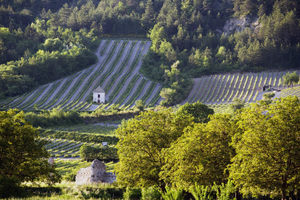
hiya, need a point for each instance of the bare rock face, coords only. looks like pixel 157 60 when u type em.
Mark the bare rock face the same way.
pixel 96 173
pixel 239 24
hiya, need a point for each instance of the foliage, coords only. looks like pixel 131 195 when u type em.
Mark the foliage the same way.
pixel 68 169
pixel 140 105
pixel 53 117
pixel 172 194
pixel 151 193
pixel 81 137
pixel 199 111
pixel 105 153
pixel 237 104
pixel 203 151
pixel 141 144
pixel 132 193
pixel 224 191
pixel 22 157
pixel 290 78
pixel 177 86
pixel 60 34
pixel 267 159
pixel 44 53
pixel 100 192
pixel 201 192
pixel 267 97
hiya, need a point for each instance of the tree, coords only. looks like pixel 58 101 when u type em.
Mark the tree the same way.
pixel 237 104
pixel 140 104
pixel 200 155
pixel 290 78
pixel 141 141
pixel 267 97
pixel 148 17
pixel 199 111
pixel 268 151
pixel 23 157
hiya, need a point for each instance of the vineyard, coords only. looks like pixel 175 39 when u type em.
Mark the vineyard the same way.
pixel 223 88
pixel 294 91
pixel 117 72
pixel 66 141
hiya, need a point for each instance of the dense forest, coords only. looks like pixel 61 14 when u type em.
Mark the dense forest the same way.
pixel 43 40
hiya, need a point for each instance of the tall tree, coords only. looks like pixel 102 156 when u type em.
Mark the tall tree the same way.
pixel 267 157
pixel 23 157
pixel 142 140
pixel 199 111
pixel 201 155
pixel 290 78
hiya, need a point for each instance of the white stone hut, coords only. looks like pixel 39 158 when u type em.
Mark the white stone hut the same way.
pixel 96 173
pixel 99 95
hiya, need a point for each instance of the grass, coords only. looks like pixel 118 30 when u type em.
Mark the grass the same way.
pixel 87 128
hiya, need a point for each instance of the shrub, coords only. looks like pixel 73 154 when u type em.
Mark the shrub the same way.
pixel 132 194
pixel 104 192
pixel 102 153
pixel 150 193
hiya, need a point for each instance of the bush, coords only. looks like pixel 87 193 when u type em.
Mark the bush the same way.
pixel 102 153
pixel 132 194
pixel 108 192
pixel 82 137
pixel 150 193
pixel 8 187
pixel 53 117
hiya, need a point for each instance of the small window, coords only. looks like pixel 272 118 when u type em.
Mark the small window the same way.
pixel 98 95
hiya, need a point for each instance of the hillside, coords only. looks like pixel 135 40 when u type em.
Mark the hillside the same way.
pixel 293 91
pixel 117 72
pixel 223 88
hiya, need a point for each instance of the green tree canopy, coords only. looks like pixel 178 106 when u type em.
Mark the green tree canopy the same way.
pixel 142 140
pixel 201 155
pixel 267 157
pixel 290 78
pixel 22 156
pixel 199 111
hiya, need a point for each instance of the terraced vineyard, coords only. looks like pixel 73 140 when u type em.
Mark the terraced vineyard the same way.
pixel 295 91
pixel 66 141
pixel 222 89
pixel 63 147
pixel 117 72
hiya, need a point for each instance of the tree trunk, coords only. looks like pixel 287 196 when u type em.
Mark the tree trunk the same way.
pixel 238 195
pixel 283 190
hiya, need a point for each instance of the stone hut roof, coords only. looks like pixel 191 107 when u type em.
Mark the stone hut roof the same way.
pixel 98 90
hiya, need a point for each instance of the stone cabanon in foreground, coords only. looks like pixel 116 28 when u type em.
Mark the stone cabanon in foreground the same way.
pixel 96 173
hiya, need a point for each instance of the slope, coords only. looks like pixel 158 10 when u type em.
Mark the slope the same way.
pixel 116 71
